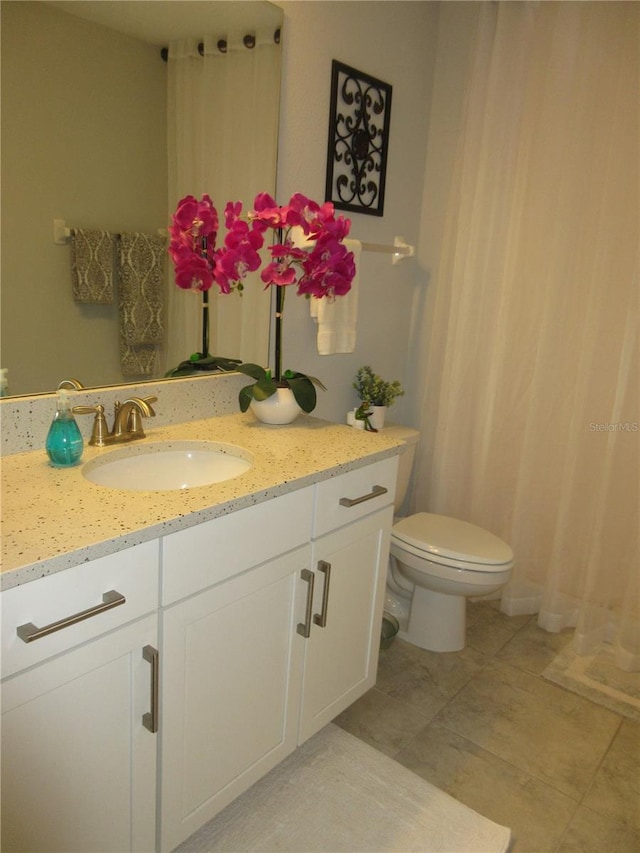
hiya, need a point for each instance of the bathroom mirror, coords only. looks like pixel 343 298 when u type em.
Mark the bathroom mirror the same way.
pixel 84 139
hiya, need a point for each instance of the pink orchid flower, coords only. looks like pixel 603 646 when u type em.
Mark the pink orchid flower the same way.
pixel 324 269
pixel 194 273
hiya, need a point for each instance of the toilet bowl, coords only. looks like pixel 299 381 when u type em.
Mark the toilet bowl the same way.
pixel 435 563
pixel 445 561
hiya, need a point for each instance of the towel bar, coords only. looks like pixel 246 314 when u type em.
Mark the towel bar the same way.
pixel 400 250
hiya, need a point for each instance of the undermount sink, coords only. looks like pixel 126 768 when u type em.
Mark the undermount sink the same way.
pixel 155 466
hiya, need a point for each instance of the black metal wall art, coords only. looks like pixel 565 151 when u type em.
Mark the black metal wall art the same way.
pixel 358 140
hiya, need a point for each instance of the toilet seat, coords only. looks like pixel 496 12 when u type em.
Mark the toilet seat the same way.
pixel 451 542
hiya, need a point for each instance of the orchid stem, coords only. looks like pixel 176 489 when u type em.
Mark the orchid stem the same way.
pixel 205 323
pixel 279 309
pixel 205 306
pixel 278 329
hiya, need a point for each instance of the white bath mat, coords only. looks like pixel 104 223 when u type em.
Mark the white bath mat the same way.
pixel 597 677
pixel 336 793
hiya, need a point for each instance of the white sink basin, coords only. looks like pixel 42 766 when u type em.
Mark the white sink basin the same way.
pixel 154 466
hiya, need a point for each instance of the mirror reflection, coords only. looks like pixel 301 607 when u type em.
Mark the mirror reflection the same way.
pixel 93 133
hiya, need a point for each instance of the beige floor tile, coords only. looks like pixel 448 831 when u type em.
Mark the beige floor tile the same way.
pixel 533 649
pixel 426 680
pixel 591 833
pixel 603 670
pixel 488 629
pixel 551 734
pixel 616 788
pixel 536 813
pixel 382 722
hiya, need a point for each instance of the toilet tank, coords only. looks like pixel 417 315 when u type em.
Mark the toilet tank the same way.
pixel 405 459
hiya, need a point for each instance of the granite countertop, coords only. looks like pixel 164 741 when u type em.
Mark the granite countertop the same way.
pixel 54 518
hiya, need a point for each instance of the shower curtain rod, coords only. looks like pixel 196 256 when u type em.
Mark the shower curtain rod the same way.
pixel 249 41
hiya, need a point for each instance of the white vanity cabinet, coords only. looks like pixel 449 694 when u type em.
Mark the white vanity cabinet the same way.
pixel 353 518
pixel 271 627
pixel 143 691
pixel 231 663
pixel 78 750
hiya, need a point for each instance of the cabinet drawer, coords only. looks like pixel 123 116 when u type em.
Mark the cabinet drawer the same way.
pixel 132 574
pixel 209 553
pixel 361 492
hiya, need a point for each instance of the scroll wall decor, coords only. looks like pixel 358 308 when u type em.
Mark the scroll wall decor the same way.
pixel 358 140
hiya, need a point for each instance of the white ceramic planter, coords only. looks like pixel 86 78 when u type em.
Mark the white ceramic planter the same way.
pixel 279 408
pixel 377 418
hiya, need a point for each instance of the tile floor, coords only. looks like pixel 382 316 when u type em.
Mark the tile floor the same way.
pixel 487 728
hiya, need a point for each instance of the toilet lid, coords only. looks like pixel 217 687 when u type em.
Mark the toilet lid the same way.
pixel 452 539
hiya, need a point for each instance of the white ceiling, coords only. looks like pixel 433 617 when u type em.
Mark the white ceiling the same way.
pixel 161 21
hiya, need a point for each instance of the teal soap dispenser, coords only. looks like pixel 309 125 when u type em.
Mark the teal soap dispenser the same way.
pixel 64 442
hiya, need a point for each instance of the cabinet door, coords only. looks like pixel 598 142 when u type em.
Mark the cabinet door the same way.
pixel 231 687
pixel 78 765
pixel 341 657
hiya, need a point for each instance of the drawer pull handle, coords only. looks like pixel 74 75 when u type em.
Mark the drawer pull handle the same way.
pixel 304 628
pixel 374 493
pixel 29 632
pixel 320 619
pixel 150 719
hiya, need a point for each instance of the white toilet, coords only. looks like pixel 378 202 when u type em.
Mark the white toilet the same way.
pixel 435 563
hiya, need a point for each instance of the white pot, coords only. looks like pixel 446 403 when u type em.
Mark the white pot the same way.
pixel 279 408
pixel 377 418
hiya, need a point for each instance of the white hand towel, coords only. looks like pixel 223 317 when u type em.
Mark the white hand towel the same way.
pixel 337 320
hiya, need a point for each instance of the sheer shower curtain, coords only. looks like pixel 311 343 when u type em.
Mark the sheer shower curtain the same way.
pixel 222 111
pixel 530 413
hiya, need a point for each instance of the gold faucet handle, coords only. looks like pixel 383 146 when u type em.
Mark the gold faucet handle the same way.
pixel 136 413
pixel 100 429
pixel 134 427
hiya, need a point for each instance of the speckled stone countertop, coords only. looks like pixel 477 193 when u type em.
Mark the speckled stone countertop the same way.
pixel 55 518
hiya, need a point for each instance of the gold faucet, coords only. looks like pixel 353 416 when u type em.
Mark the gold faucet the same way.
pixel 73 384
pixel 127 421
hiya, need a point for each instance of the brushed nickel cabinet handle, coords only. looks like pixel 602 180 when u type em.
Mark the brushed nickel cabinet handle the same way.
pixel 374 493
pixel 304 628
pixel 150 719
pixel 29 632
pixel 320 619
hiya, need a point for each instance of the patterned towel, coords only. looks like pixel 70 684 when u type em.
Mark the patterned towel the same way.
pixel 92 266
pixel 141 260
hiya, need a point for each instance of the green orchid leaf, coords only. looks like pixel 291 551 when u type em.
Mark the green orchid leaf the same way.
pixel 264 388
pixel 180 371
pixel 291 374
pixel 303 391
pixel 252 370
pixel 224 363
pixel 245 397
pixel 197 362
pixel 318 383
pixel 302 387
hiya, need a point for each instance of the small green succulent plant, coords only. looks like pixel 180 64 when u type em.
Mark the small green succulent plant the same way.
pixel 374 390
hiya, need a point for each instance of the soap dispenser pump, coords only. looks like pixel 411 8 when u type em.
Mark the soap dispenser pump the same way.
pixel 64 443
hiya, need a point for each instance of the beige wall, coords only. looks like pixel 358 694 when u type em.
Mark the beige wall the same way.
pixel 394 41
pixel 456 32
pixel 84 141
